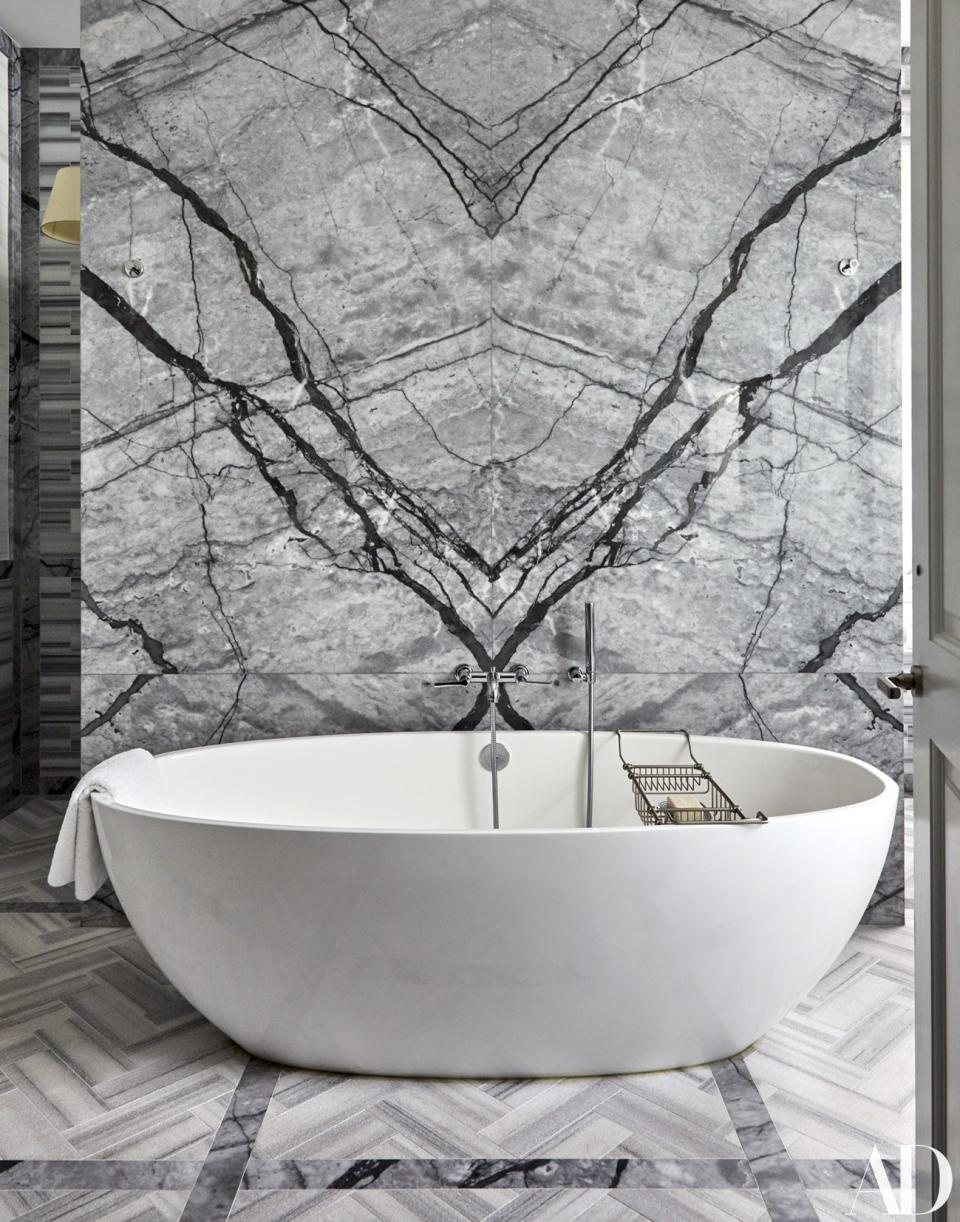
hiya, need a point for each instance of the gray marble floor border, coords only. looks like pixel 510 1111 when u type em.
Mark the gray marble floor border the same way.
pixel 817 1173
pixel 148 1175
pixel 394 1173
pixel 264 1174
pixel 212 1195
pixel 775 1172
pixel 231 1164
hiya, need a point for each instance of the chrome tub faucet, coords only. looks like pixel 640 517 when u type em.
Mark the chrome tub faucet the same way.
pixel 464 676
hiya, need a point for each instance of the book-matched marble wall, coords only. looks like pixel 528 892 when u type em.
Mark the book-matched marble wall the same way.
pixel 453 316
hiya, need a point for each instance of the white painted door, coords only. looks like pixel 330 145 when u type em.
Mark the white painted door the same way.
pixel 935 195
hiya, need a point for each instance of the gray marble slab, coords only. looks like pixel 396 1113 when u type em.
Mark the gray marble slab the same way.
pixel 454 316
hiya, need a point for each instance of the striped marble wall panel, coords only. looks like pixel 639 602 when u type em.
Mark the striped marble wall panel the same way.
pixel 11 455
pixel 26 516
pixel 59 272
pixel 8 707
pixel 5 206
pixel 41 702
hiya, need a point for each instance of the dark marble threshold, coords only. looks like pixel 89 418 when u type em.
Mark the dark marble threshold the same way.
pixel 441 1174
pixel 446 1173
pixel 86 1173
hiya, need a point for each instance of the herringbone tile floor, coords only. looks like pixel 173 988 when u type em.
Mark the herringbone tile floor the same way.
pixel 99 1056
pixel 102 1062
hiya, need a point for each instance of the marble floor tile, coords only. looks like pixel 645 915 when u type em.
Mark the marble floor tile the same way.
pixel 644 1116
pixel 55 1090
pixel 186 1094
pixel 14 1205
pixel 27 1133
pixel 835 1205
pixel 25 839
pixel 82 1049
pixel 544 1205
pixel 288 1205
pixel 837 1074
pixel 690 1205
pixel 297 1126
pixel 44 939
pixel 102 1206
pixel 537 1124
pixel 679 1114
pixel 564 1205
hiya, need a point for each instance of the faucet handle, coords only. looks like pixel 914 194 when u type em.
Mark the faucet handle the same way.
pixel 463 675
pixel 521 674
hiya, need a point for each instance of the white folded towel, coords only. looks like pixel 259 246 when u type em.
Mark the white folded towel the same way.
pixel 131 778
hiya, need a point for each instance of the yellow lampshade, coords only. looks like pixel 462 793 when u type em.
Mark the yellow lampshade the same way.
pixel 62 217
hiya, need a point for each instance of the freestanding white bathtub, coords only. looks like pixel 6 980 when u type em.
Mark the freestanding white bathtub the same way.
pixel 342 903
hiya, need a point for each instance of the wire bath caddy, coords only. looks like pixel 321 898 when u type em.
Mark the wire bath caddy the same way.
pixel 656 788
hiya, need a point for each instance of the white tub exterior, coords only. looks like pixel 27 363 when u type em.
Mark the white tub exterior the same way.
pixel 341 903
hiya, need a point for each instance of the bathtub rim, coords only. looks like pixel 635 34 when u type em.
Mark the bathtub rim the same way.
pixel 888 787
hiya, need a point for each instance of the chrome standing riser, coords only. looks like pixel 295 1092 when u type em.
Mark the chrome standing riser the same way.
pixel 588 674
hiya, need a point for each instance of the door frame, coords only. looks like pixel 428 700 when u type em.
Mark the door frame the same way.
pixel 935 168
